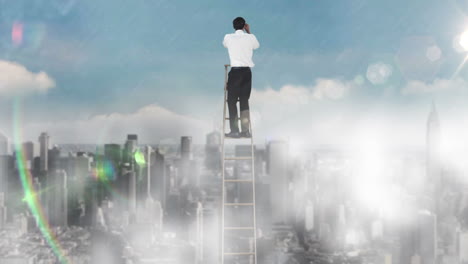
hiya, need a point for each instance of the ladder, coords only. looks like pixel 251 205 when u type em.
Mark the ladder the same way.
pixel 245 235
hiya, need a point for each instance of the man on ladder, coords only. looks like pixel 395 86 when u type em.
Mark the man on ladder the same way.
pixel 240 46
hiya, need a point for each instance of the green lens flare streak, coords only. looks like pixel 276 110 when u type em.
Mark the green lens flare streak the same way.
pixel 30 195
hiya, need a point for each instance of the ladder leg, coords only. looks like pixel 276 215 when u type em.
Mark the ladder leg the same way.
pixel 253 191
pixel 223 162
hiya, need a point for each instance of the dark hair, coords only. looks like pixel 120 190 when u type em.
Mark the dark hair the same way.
pixel 238 23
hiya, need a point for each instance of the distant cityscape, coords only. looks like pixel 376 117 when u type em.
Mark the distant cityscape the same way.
pixel 132 203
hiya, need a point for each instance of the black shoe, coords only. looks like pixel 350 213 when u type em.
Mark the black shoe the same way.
pixel 245 134
pixel 232 135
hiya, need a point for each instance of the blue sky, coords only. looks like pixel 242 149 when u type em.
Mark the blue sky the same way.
pixel 120 56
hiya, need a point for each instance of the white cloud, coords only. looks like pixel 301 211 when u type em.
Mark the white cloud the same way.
pixel 438 85
pixel 298 95
pixel 331 89
pixel 15 79
pixel 151 123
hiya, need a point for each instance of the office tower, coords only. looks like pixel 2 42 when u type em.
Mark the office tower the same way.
pixel 112 160
pixel 44 152
pixel 58 198
pixel 4 162
pixel 130 147
pixel 78 171
pixel 186 148
pixel 145 186
pixel 159 181
pixel 3 144
pixel 277 169
pixel 427 223
pixel 409 237
pixel 463 247
pixel 433 165
pixel 131 175
pixel 3 211
pixel 213 151
pixel 28 152
pixel 55 161
pixel 113 152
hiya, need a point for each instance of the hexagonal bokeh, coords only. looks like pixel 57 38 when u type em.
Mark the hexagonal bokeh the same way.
pixel 419 58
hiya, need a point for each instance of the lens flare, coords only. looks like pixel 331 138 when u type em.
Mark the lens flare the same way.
pixel 30 194
pixel 464 40
pixel 140 158
pixel 17 33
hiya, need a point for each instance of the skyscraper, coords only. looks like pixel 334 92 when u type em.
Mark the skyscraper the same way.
pixel 433 149
pixel 58 198
pixel 132 192
pixel 28 151
pixel 277 170
pixel 130 147
pixel 112 160
pixel 44 151
pixel 186 148
pixel 427 223
pixel 4 161
pixel 159 178
pixel 3 144
pixel 3 211
pixel 213 151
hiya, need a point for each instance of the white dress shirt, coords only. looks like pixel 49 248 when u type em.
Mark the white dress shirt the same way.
pixel 240 46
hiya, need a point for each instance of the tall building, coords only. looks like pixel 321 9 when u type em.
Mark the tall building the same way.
pixel 159 178
pixel 112 160
pixel 78 171
pixel 58 198
pixel 3 144
pixel 55 161
pixel 130 147
pixel 4 162
pixel 147 171
pixel 132 201
pixel 3 211
pixel 427 223
pixel 433 138
pixel 44 151
pixel 278 169
pixel 28 152
pixel 186 148
pixel 213 151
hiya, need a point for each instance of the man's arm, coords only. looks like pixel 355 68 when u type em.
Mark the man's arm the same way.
pixel 247 28
pixel 255 44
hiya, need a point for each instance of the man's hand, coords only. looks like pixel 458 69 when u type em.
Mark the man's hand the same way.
pixel 247 28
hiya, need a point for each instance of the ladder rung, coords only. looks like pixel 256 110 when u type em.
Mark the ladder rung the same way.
pixel 239 204
pixel 237 180
pixel 238 253
pixel 239 228
pixel 238 158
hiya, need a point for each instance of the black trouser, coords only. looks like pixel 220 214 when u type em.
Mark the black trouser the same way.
pixel 239 87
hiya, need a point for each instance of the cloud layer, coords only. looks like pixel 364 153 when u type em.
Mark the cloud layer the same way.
pixel 15 79
pixel 152 123
pixel 438 85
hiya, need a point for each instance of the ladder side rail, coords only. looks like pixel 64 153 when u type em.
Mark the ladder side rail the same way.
pixel 253 191
pixel 223 161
